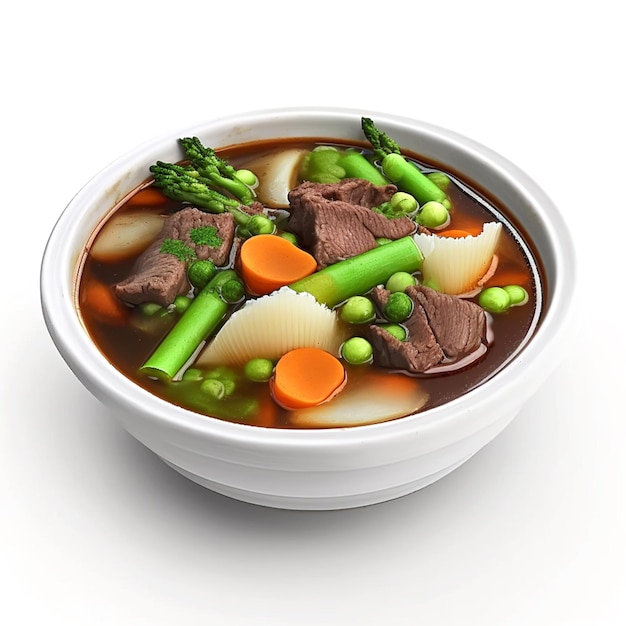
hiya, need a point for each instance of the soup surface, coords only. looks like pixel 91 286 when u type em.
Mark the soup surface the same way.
pixel 245 387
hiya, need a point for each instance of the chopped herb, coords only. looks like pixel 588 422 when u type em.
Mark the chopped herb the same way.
pixel 179 249
pixel 205 236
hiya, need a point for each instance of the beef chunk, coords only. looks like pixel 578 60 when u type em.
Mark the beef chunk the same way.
pixel 160 277
pixel 351 190
pixel 459 325
pixel 335 221
pixel 441 327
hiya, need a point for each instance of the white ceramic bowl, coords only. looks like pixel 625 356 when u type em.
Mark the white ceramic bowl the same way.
pixel 315 469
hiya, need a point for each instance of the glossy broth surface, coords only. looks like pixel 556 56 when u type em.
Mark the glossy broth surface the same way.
pixel 127 346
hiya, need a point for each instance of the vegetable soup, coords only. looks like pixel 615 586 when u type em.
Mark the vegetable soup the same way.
pixel 308 283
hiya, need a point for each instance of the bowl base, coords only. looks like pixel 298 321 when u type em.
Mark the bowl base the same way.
pixel 317 503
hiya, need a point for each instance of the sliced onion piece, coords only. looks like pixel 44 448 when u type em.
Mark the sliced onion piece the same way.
pixel 374 398
pixel 457 266
pixel 277 174
pixel 271 326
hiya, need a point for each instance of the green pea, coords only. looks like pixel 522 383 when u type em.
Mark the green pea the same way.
pixel 233 291
pixel 213 387
pixel 193 373
pixel 403 203
pixel 181 303
pixel 440 179
pixel 229 386
pixel 399 281
pixel 494 300
pixel 357 310
pixel 150 308
pixel 221 372
pixel 518 295
pixel 243 232
pixel 247 177
pixel 357 351
pixel 201 272
pixel 399 307
pixel 258 370
pixel 433 214
pixel 395 330
pixel 290 237
pixel 260 225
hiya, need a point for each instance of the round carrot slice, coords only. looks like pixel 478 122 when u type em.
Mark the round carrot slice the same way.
pixel 455 233
pixel 307 377
pixel 269 262
pixel 104 304
pixel 149 196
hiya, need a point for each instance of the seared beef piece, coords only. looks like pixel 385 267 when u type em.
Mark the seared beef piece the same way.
pixel 351 190
pixel 440 327
pixel 255 208
pixel 335 221
pixel 459 325
pixel 160 277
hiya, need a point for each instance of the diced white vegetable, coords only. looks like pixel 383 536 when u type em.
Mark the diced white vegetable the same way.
pixel 126 235
pixel 271 326
pixel 277 174
pixel 456 265
pixel 375 398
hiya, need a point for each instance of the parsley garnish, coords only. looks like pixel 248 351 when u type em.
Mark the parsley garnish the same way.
pixel 179 249
pixel 201 236
pixel 205 236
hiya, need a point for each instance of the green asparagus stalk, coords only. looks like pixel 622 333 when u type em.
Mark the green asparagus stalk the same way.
pixel 399 170
pixel 357 275
pixel 357 166
pixel 196 324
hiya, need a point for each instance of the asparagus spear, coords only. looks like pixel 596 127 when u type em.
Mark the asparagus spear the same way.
pixel 197 323
pixel 400 171
pixel 357 275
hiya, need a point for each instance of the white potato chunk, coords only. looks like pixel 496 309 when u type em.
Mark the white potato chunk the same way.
pixel 277 174
pixel 374 398
pixel 126 235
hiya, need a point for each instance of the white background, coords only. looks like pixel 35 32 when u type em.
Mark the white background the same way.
pixel 95 530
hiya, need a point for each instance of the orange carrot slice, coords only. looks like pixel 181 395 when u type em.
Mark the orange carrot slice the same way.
pixel 149 196
pixel 503 277
pixel 269 262
pixel 455 233
pixel 307 377
pixel 267 412
pixel 105 305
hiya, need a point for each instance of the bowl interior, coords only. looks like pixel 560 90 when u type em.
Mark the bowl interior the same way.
pixel 533 211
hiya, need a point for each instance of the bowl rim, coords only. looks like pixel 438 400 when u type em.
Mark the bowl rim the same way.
pixel 112 387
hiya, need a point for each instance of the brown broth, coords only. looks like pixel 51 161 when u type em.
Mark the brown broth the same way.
pixel 127 347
